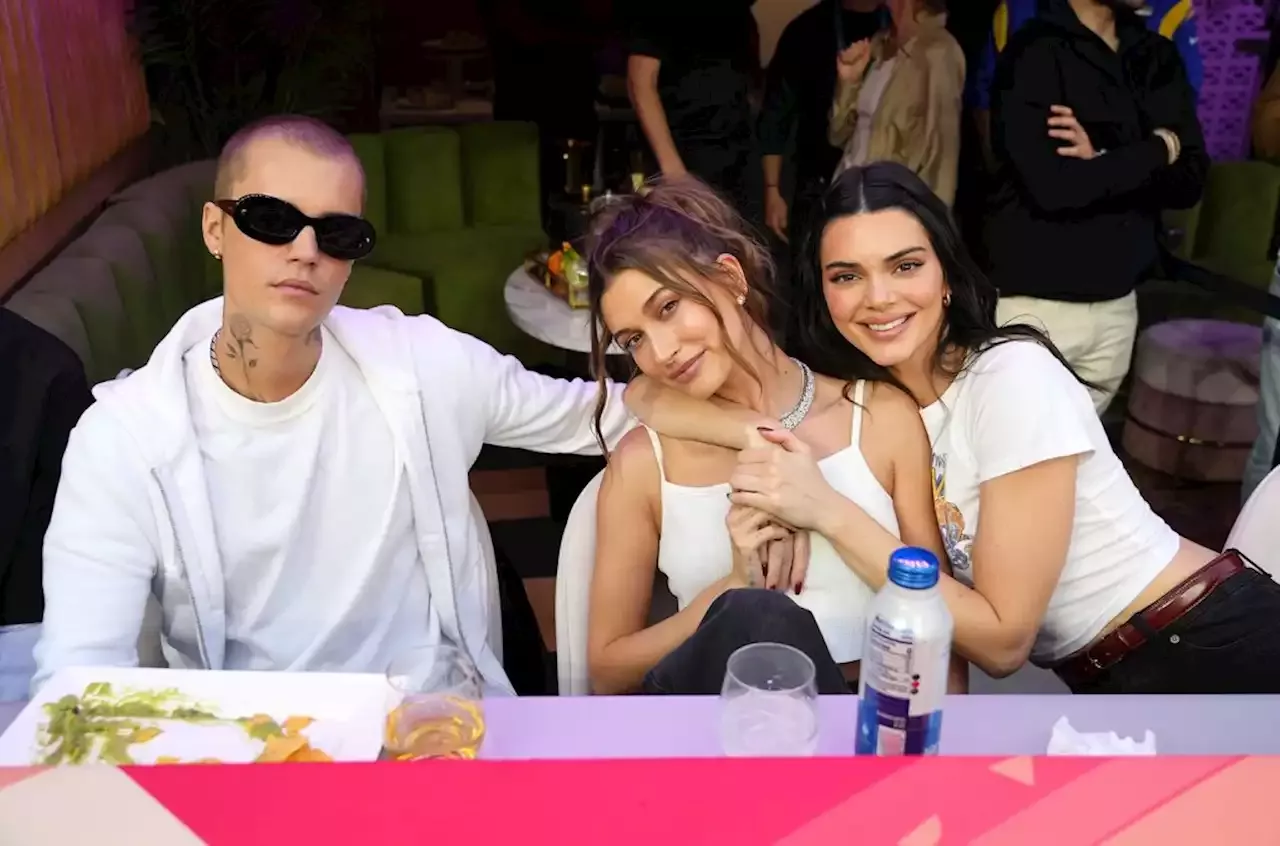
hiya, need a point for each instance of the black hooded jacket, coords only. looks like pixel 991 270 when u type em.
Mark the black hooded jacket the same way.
pixel 1086 231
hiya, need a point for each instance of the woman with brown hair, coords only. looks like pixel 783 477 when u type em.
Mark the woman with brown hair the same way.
pixel 677 283
pixel 898 96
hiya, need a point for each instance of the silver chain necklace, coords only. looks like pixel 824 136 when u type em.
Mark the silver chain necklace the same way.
pixel 800 411
pixel 213 354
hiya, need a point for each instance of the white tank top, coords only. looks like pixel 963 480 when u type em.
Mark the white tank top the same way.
pixel 695 551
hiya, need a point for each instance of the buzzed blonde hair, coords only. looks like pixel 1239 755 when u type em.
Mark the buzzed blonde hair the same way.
pixel 309 133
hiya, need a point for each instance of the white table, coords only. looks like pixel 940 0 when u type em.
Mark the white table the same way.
pixel 686 726
pixel 541 314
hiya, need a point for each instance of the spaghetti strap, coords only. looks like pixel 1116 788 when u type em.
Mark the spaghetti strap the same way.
pixel 657 451
pixel 859 392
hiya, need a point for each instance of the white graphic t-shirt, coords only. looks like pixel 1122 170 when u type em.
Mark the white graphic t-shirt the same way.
pixel 1017 406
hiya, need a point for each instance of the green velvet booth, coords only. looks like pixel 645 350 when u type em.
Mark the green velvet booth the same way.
pixel 1233 231
pixel 459 207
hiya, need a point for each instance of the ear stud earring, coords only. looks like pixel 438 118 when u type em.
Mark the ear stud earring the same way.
pixel 217 255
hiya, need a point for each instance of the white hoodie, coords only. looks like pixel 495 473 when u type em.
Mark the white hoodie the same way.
pixel 132 514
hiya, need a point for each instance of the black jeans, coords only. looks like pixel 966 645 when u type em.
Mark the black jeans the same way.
pixel 1228 643
pixel 725 166
pixel 738 618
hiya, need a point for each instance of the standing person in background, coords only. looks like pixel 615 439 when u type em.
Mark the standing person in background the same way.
pixel 43 392
pixel 800 86
pixel 898 96
pixel 1094 126
pixel 689 76
pixel 1263 456
pixel 1174 19
pixel 970 23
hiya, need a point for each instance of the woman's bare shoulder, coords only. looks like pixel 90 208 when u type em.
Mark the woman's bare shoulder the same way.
pixel 891 399
pixel 892 415
pixel 633 464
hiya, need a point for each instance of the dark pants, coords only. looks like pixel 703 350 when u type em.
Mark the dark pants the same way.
pixel 524 656
pixel 1228 643
pixel 738 618
pixel 725 166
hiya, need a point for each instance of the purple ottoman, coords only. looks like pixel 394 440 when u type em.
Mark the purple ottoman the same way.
pixel 1192 405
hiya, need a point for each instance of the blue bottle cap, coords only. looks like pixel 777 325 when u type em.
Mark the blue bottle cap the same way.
pixel 913 568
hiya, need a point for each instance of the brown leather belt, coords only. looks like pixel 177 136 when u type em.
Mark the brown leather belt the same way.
pixel 1110 650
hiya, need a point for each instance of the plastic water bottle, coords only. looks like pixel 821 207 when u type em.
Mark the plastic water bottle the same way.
pixel 903 677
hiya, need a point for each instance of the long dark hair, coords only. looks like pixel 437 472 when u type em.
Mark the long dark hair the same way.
pixel 969 324
pixel 673 231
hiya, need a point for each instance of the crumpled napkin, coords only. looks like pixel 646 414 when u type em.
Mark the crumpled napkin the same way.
pixel 1065 740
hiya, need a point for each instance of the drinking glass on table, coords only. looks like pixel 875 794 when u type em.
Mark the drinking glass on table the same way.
pixel 769 703
pixel 439 712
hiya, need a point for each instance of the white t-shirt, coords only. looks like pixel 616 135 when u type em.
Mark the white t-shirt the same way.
pixel 869 96
pixel 1017 406
pixel 313 520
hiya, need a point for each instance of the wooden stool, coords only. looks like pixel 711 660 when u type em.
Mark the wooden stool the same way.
pixel 1192 405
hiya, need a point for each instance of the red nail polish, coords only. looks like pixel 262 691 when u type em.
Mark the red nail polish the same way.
pixel 799 587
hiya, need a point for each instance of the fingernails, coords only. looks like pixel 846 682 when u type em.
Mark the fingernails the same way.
pixel 799 587
pixel 764 429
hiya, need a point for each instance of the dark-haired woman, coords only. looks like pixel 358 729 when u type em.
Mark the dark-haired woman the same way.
pixel 1056 556
pixel 678 284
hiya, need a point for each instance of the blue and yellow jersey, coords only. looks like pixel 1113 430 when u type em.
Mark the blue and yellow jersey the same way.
pixel 1174 19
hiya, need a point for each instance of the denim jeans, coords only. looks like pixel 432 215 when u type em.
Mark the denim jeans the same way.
pixel 1264 448
pixel 1228 643
pixel 738 618
pixel 17 661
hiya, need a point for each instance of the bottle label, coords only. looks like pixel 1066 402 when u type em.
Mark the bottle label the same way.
pixel 904 681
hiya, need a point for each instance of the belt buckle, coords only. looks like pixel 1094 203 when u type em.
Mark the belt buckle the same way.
pixel 1094 663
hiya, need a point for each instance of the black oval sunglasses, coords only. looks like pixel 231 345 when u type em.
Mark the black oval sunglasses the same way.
pixel 271 220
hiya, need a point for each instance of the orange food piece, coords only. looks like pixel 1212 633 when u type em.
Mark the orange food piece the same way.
pixel 293 725
pixel 280 747
pixel 310 755
pixel 555 263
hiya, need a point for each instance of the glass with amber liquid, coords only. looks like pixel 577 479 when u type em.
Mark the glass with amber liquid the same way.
pixel 438 708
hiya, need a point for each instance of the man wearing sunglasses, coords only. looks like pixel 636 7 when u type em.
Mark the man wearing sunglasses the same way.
pixel 289 478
